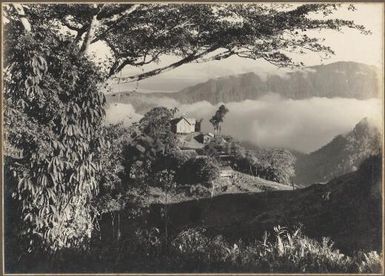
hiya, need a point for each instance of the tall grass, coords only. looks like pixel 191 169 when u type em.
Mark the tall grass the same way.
pixel 194 250
pixel 282 251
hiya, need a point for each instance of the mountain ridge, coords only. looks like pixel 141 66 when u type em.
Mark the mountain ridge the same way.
pixel 339 79
pixel 343 154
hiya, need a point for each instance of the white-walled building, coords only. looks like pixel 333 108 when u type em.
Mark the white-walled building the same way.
pixel 183 125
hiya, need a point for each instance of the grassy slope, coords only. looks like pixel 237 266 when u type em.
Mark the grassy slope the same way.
pixel 240 183
pixel 244 183
pixel 347 209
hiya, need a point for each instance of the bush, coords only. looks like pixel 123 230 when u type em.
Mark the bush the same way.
pixel 194 250
pixel 198 170
pixel 295 253
pixel 190 243
pixel 281 252
pixel 368 262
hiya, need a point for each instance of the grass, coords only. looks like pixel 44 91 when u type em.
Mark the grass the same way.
pixel 239 183
pixel 194 250
pixel 282 251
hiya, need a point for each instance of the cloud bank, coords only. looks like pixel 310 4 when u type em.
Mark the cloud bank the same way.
pixel 303 125
pixel 121 113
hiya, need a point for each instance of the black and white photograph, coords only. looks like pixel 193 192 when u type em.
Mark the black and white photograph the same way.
pixel 192 138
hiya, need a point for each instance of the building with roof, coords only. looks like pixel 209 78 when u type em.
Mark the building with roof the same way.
pixel 184 125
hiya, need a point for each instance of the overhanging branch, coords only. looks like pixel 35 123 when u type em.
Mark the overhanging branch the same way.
pixel 114 21
pixel 167 68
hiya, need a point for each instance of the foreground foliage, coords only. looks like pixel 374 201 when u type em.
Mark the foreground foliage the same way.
pixel 195 250
pixel 53 114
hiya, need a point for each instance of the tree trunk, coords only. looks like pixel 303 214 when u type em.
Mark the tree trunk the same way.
pixel 119 233
pixel 166 220
pixel 23 18
pixel 89 35
pixel 113 225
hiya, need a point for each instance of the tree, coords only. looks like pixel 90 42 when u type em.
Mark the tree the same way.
pixel 156 124
pixel 165 180
pixel 283 163
pixel 198 171
pixel 111 185
pixel 53 114
pixel 271 164
pixel 218 117
pixel 139 34
pixel 52 93
pixel 152 146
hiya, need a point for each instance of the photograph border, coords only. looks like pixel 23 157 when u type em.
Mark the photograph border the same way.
pixel 382 90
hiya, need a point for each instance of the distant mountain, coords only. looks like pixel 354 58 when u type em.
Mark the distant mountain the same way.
pixel 142 102
pixel 340 79
pixel 342 155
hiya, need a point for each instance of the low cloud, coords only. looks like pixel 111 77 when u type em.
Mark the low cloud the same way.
pixel 303 125
pixel 121 113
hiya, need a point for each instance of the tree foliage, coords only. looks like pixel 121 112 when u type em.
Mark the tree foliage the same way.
pixel 271 164
pixel 139 34
pixel 156 124
pixel 198 171
pixel 218 117
pixel 151 149
pixel 53 112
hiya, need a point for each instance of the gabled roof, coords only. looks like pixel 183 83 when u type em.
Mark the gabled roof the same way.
pixel 190 121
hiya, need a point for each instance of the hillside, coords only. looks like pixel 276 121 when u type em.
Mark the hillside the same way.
pixel 239 183
pixel 340 79
pixel 347 209
pixel 341 155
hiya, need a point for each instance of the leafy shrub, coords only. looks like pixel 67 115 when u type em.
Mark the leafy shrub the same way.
pixel 368 262
pixel 281 252
pixel 271 164
pixel 198 170
pixel 190 243
pixel 296 253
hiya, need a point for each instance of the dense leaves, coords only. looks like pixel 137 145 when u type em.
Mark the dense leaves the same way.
pixel 198 170
pixel 53 112
pixel 141 34
pixel 271 164
pixel 218 117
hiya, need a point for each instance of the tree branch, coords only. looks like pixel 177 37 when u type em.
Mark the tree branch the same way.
pixel 167 68
pixel 72 27
pixel 114 21
pixel 91 30
pixel 219 56
pixel 120 15
pixel 118 67
pixel 23 18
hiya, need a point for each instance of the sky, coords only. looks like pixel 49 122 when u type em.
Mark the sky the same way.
pixel 349 45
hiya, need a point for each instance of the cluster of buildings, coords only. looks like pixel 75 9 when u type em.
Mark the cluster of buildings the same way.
pixel 189 133
pixel 191 138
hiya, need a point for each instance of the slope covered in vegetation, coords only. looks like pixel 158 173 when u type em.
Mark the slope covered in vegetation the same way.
pixel 347 209
pixel 340 156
